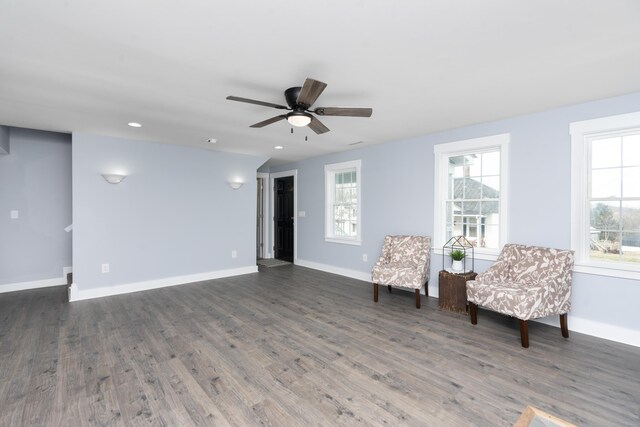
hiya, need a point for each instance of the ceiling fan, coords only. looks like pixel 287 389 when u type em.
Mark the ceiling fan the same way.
pixel 299 101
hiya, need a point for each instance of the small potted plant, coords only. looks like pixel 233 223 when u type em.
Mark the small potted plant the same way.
pixel 456 259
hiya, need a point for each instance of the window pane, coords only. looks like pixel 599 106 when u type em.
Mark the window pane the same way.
pixel 631 216
pixel 491 163
pixel 631 182
pixel 474 165
pixel 604 220
pixel 490 211
pixel 631 150
pixel 630 247
pixel 605 183
pixel 491 187
pixel 471 189
pixel 606 152
pixel 606 250
pixel 491 237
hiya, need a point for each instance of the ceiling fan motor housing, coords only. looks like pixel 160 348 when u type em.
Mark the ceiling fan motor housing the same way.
pixel 291 95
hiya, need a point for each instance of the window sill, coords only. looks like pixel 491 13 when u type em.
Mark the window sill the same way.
pixel 600 270
pixel 343 241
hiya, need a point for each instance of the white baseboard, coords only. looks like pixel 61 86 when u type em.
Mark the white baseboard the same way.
pixel 596 329
pixel 335 270
pixel 576 324
pixel 76 293
pixel 44 283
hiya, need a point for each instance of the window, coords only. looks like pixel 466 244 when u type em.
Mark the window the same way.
pixel 342 197
pixel 470 191
pixel 605 203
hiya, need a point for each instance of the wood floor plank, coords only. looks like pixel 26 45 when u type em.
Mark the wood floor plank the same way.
pixel 294 346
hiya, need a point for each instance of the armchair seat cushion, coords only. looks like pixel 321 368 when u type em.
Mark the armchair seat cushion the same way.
pixel 511 299
pixel 398 275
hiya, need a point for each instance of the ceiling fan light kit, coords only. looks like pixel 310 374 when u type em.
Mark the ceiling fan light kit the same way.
pixel 299 100
pixel 299 118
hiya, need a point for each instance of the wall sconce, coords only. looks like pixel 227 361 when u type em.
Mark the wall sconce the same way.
pixel 113 178
pixel 235 184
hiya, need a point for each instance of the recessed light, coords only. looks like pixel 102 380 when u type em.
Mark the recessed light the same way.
pixel 279 147
pixel 135 125
pixel 212 140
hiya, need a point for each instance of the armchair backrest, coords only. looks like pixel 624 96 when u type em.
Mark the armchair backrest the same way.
pixel 407 250
pixel 534 264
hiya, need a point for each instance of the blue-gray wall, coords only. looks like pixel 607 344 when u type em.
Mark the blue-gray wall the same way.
pixel 398 198
pixel 35 180
pixel 174 215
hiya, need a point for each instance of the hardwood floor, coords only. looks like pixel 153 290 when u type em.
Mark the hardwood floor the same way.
pixel 294 346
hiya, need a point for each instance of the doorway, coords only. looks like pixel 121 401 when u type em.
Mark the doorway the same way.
pixel 283 218
pixel 260 218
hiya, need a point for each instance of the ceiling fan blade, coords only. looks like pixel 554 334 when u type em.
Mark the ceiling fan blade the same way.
pixel 317 126
pixel 343 111
pixel 253 101
pixel 269 121
pixel 311 90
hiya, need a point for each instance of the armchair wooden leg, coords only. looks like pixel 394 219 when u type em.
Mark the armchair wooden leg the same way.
pixel 417 298
pixel 375 292
pixel 473 313
pixel 426 289
pixel 563 325
pixel 524 333
pixel 389 287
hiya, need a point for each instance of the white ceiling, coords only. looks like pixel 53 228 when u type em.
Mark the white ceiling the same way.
pixel 423 66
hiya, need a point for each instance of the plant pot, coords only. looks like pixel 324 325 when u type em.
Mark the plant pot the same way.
pixel 456 265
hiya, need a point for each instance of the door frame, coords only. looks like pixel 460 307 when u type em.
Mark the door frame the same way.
pixel 272 179
pixel 266 251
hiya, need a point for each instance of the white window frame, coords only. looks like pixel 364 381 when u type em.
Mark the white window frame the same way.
pixel 329 177
pixel 581 133
pixel 441 170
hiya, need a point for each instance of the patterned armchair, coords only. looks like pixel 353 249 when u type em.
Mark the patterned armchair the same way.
pixel 526 282
pixel 404 263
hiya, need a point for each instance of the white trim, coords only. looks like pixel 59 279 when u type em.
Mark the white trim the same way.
pixel 580 131
pixel 329 188
pixel 36 284
pixel 78 294
pixel 273 176
pixel 343 241
pixel 606 270
pixel 266 249
pixel 596 329
pixel 354 274
pixel 440 171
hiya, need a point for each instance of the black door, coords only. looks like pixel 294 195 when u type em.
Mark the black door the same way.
pixel 283 218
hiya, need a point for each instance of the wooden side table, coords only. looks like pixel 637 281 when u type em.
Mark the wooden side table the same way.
pixel 452 289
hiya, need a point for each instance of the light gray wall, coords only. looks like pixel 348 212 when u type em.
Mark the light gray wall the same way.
pixel 397 198
pixel 35 180
pixel 173 215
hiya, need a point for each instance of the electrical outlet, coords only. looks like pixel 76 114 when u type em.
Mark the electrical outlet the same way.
pixel 234 254
pixel 105 268
pixel 364 258
pixel 15 214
